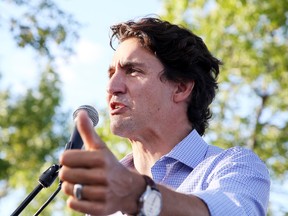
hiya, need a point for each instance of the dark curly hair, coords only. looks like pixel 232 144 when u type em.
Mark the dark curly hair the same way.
pixel 185 58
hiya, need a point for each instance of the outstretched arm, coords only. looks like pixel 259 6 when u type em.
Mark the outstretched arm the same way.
pixel 108 186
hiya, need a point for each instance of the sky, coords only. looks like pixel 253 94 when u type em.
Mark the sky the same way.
pixel 84 76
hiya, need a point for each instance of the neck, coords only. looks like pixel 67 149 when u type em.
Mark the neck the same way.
pixel 149 148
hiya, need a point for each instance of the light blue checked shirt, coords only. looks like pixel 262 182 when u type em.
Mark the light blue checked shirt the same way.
pixel 231 182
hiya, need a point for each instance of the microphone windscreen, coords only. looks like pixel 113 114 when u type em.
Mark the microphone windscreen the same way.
pixel 92 113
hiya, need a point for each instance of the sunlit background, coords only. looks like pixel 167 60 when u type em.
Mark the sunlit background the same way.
pixel 84 75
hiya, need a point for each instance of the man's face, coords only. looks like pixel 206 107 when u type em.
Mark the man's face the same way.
pixel 139 102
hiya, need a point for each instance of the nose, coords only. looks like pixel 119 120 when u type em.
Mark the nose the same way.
pixel 116 84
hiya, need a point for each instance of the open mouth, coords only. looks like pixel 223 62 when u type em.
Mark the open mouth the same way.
pixel 115 106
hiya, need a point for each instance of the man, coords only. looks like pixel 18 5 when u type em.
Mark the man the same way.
pixel 162 80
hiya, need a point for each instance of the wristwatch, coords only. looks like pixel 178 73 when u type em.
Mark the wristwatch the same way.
pixel 150 202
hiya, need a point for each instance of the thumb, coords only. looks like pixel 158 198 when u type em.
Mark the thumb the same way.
pixel 90 139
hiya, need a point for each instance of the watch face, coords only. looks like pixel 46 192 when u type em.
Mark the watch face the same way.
pixel 152 204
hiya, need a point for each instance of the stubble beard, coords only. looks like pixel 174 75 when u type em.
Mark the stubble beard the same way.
pixel 122 127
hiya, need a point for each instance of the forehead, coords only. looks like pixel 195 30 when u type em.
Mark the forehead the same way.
pixel 131 50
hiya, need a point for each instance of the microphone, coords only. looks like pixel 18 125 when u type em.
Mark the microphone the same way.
pixel 75 141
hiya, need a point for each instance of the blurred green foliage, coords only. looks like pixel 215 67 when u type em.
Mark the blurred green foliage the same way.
pixel 250 37
pixel 33 128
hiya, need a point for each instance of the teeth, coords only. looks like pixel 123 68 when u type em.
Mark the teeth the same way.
pixel 117 106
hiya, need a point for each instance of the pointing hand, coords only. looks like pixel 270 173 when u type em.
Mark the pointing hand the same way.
pixel 107 185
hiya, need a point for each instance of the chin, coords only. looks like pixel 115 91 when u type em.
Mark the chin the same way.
pixel 120 133
pixel 121 129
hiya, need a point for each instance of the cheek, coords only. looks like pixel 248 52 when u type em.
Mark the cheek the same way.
pixel 152 102
pixel 152 97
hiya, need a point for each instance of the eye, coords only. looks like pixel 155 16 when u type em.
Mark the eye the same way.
pixel 133 71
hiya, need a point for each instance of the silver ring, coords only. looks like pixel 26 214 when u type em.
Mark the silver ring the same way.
pixel 77 191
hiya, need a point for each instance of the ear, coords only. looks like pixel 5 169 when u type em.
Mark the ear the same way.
pixel 183 91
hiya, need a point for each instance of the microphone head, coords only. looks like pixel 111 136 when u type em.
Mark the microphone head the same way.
pixel 92 113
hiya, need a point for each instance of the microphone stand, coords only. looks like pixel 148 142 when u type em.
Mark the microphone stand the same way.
pixel 49 200
pixel 45 180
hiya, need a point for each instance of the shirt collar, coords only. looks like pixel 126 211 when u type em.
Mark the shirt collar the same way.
pixel 127 161
pixel 190 151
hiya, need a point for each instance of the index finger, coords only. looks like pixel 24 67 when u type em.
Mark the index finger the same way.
pixel 80 159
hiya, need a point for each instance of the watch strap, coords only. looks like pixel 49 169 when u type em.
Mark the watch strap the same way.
pixel 150 182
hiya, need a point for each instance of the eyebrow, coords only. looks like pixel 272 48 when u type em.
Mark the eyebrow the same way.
pixel 126 65
pixel 131 63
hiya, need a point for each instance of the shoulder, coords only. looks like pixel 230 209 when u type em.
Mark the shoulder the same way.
pixel 239 160
pixel 238 154
pixel 237 177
